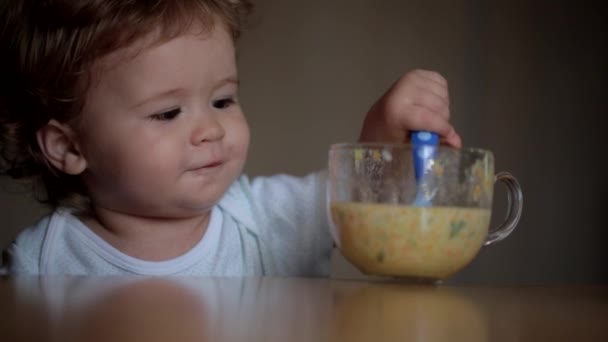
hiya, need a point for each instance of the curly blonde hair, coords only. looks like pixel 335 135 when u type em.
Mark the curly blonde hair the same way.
pixel 48 49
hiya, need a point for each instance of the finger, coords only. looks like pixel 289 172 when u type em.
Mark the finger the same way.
pixel 423 119
pixel 418 95
pixel 432 101
pixel 432 76
pixel 433 82
pixel 452 140
pixel 416 80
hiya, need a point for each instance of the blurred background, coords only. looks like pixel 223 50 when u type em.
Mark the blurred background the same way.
pixel 527 81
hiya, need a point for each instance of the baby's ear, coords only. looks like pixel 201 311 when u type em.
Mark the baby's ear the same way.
pixel 58 143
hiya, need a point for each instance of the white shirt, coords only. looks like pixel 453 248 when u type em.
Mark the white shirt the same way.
pixel 270 226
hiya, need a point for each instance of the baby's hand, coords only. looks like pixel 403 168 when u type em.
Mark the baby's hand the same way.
pixel 419 101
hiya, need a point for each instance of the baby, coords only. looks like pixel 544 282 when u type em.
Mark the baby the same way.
pixel 124 117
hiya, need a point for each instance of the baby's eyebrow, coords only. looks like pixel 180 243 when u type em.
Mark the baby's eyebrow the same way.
pixel 161 94
pixel 179 91
pixel 228 80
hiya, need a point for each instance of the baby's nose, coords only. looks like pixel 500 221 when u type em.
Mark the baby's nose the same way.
pixel 207 129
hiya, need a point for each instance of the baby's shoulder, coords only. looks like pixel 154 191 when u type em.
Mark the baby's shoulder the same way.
pixel 32 236
pixel 23 254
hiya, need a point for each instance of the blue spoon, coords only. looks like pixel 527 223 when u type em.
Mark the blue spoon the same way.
pixel 424 151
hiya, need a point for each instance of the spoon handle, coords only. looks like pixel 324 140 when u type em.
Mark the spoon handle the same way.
pixel 424 150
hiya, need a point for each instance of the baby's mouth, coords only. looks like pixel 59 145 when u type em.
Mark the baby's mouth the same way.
pixel 207 167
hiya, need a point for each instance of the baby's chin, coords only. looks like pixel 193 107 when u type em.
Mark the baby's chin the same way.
pixel 186 207
pixel 163 210
pixel 185 210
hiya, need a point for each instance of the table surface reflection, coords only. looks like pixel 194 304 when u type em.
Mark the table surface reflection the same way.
pixel 293 309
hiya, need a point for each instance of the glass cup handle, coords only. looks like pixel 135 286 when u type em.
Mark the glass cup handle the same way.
pixel 514 207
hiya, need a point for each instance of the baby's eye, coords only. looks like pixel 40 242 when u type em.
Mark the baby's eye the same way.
pixel 166 116
pixel 223 103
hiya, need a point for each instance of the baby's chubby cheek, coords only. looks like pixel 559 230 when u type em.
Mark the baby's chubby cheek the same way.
pixel 239 147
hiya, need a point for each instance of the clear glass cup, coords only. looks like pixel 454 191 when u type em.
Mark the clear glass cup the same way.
pixel 382 230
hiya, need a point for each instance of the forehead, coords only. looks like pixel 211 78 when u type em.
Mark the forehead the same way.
pixel 193 61
pixel 191 57
pixel 156 42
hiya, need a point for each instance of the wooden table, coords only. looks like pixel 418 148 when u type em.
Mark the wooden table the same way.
pixel 292 309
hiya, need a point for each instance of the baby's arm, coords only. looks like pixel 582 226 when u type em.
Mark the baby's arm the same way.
pixel 293 217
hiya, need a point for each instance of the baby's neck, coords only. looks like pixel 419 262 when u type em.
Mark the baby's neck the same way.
pixel 147 238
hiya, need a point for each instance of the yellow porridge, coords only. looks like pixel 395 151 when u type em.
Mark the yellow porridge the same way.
pixel 423 242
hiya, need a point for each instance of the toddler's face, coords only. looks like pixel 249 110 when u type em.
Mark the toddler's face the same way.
pixel 163 134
